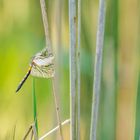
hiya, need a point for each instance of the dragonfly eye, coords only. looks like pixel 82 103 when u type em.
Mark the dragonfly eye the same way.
pixel 44 53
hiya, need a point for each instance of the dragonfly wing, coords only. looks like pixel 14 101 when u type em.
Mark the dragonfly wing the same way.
pixel 43 65
pixel 43 61
pixel 43 71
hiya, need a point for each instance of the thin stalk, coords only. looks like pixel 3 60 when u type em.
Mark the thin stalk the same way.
pixel 78 70
pixel 32 129
pixel 97 72
pixel 58 49
pixel 27 133
pixel 49 48
pixel 72 23
pixel 34 132
pixel 46 27
pixel 57 109
pixel 54 129
pixel 58 46
pixel 34 106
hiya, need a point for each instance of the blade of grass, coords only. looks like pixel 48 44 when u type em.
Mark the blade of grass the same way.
pixel 97 72
pixel 34 105
pixel 72 23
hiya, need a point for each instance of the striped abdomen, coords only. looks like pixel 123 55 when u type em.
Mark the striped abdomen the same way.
pixel 24 79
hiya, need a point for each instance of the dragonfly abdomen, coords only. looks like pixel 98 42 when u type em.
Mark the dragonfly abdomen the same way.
pixel 24 79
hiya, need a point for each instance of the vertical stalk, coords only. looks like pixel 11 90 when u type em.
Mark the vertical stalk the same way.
pixel 57 79
pixel 78 70
pixel 45 23
pixel 72 23
pixel 49 48
pixel 97 72
pixel 57 109
pixel 35 109
pixel 58 45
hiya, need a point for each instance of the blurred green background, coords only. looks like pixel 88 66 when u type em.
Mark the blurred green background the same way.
pixel 22 35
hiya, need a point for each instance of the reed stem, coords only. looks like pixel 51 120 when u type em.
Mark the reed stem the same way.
pixel 97 72
pixel 72 23
pixel 78 70
pixel 49 48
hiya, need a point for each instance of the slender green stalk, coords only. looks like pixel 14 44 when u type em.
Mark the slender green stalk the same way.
pixel 97 72
pixel 34 106
pixel 78 70
pixel 72 23
pixel 48 45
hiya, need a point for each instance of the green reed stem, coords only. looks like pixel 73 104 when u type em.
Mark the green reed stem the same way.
pixel 34 105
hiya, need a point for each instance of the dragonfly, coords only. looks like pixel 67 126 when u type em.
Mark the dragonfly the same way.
pixel 41 65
